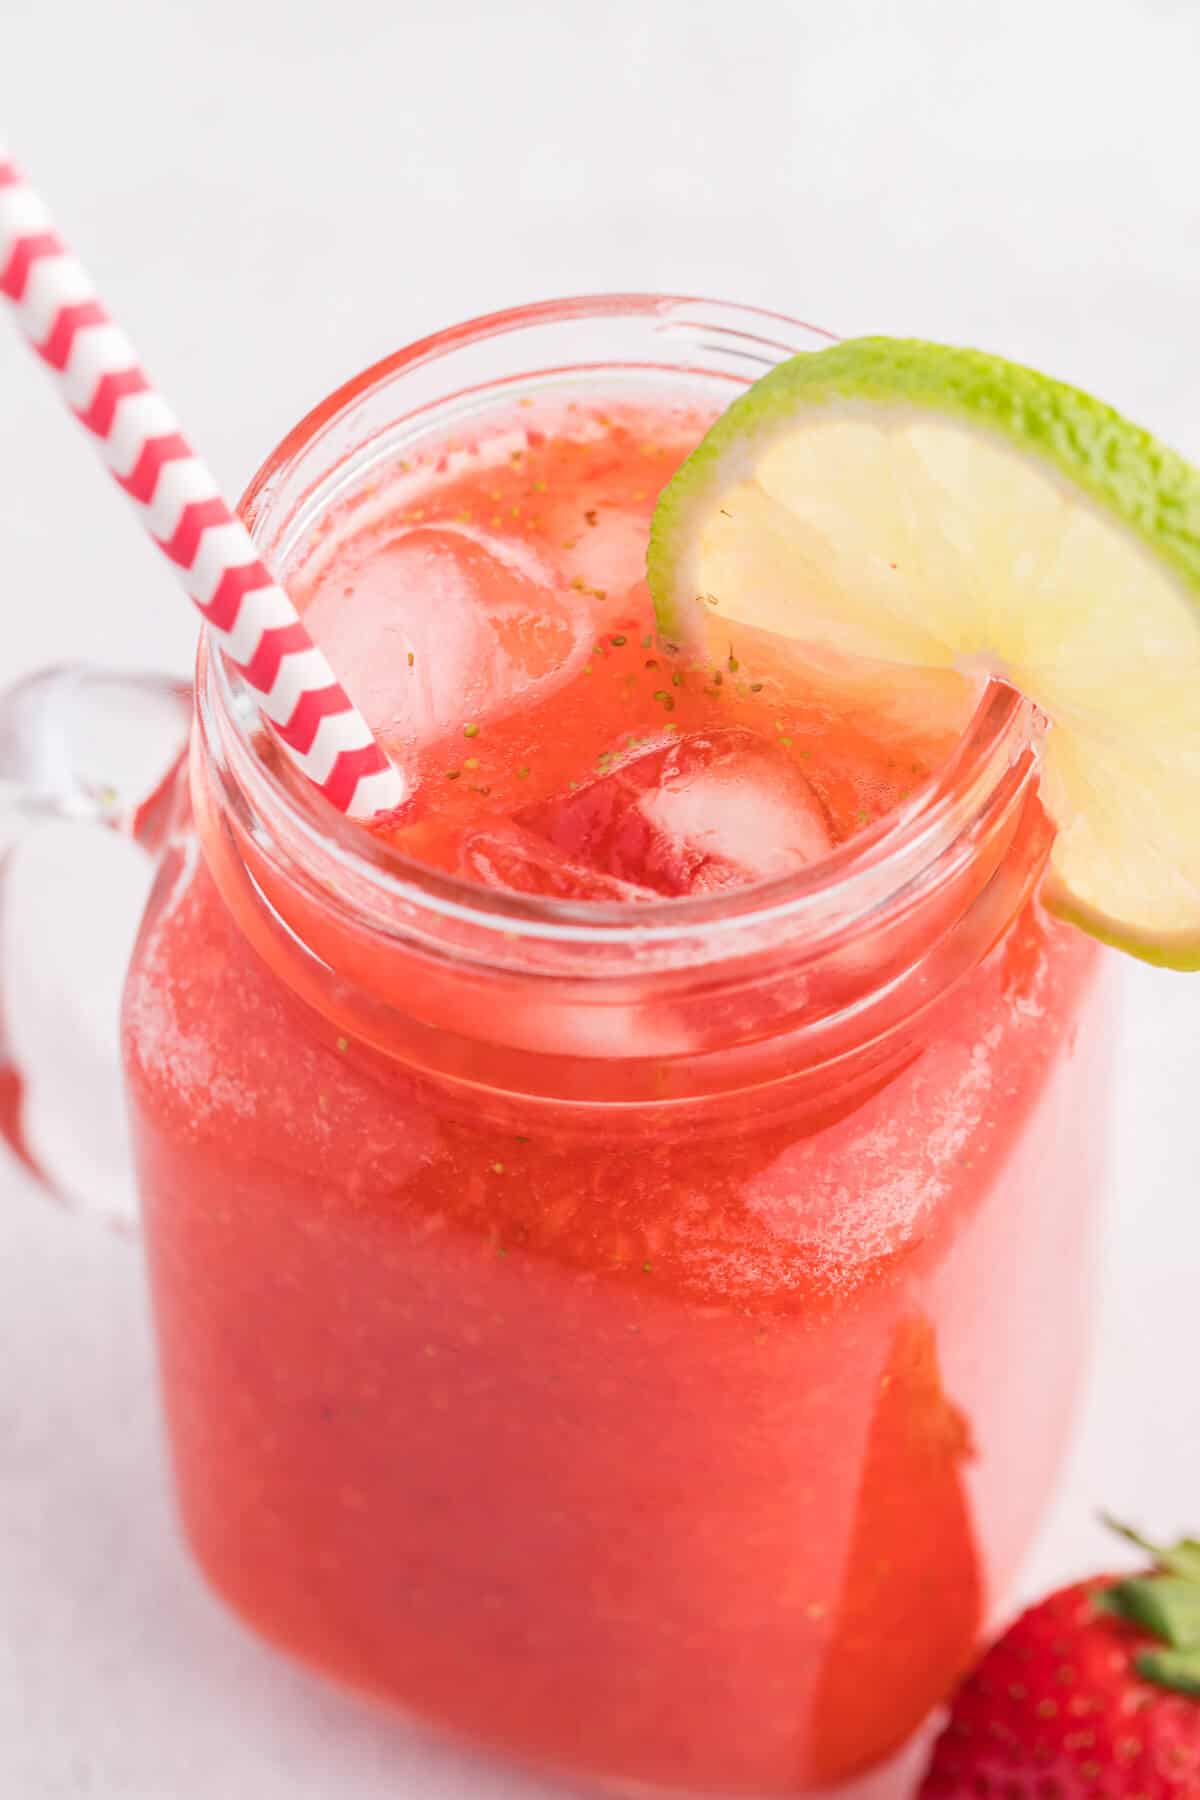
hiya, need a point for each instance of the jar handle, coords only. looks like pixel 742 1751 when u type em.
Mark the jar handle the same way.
pixel 91 746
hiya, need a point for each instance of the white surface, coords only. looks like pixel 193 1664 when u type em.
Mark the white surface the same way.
pixel 275 192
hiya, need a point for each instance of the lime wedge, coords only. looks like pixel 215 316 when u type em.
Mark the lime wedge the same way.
pixel 945 510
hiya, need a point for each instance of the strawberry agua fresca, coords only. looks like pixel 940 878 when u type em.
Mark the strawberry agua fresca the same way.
pixel 619 1234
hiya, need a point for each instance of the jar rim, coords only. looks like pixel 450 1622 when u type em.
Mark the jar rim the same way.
pixel 844 891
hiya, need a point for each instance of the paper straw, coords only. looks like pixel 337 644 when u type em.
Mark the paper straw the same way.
pixel 248 614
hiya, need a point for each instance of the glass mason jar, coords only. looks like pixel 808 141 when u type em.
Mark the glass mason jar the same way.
pixel 641 1342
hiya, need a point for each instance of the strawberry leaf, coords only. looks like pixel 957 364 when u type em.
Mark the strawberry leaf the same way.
pixel 1182 1559
pixel 1167 1606
pixel 1175 1669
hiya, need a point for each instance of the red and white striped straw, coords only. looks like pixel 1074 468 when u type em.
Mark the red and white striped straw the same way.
pixel 180 505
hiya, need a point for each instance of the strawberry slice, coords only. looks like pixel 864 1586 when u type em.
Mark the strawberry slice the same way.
pixel 910 1614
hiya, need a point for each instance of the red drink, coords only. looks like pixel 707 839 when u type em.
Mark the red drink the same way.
pixel 639 1337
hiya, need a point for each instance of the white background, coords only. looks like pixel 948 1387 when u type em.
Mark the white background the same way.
pixel 274 193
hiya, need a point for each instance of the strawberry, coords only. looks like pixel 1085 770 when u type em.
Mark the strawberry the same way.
pixel 1096 1691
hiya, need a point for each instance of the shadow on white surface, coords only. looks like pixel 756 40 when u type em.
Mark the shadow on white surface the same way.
pixel 1137 1452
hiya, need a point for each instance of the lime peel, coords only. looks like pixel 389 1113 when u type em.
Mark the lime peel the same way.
pixel 890 502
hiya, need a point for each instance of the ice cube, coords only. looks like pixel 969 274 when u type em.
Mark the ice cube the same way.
pixel 709 811
pixel 507 856
pixel 608 557
pixel 440 625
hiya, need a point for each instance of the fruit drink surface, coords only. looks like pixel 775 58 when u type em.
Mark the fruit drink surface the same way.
pixel 488 610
